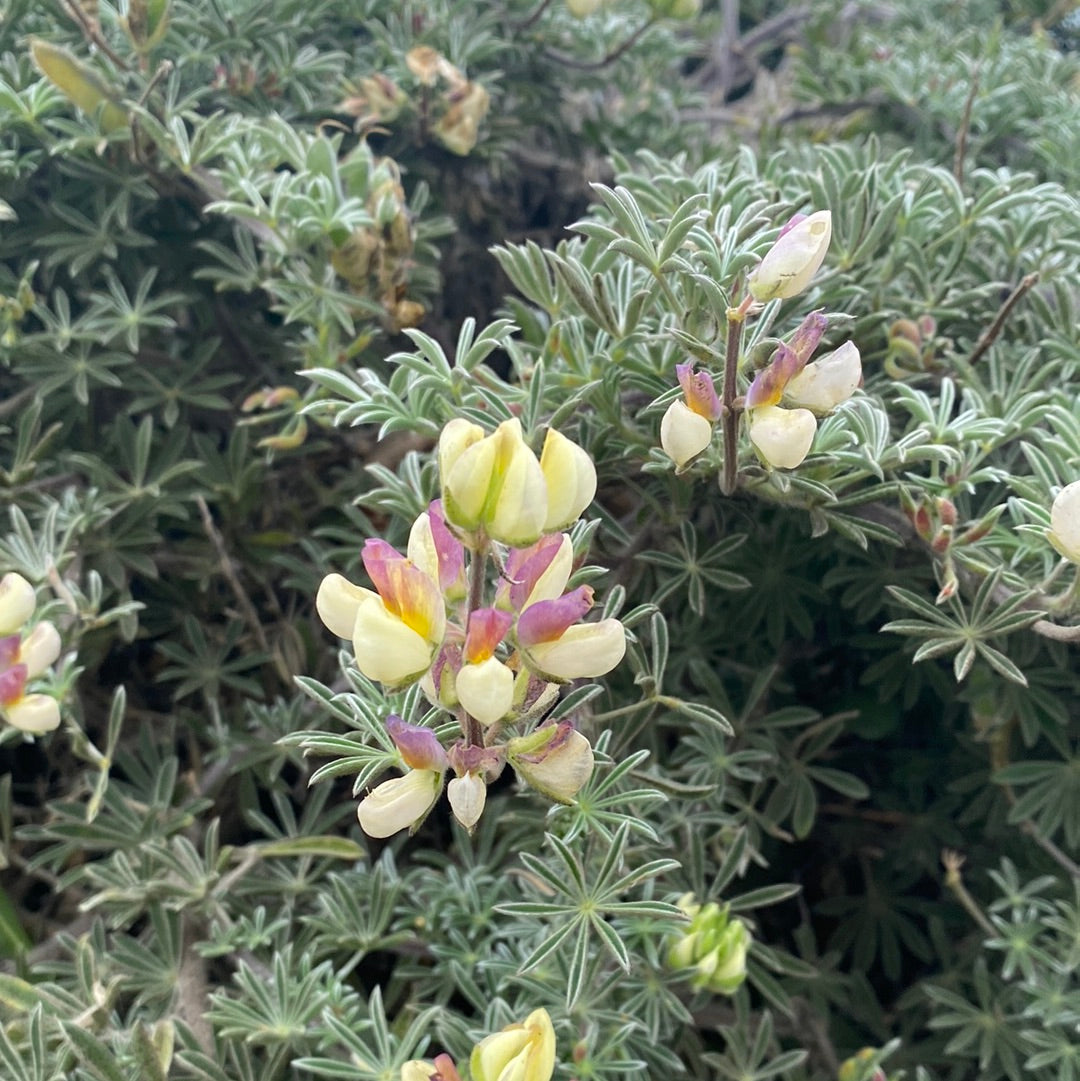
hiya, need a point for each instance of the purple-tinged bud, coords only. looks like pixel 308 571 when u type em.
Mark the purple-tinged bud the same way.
pixel 487 628
pixel 419 746
pixel 699 391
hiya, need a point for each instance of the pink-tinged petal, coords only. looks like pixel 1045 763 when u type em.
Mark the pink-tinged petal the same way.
pixel 547 620
pixel 337 603
pixel 419 746
pixel 387 650
pixel 400 803
pixel 12 684
pixel 769 383
pixel 581 652
pixel 406 590
pixel 487 628
pixel 9 650
pixel 437 552
pixel 486 690
pixel 39 649
pixel 791 223
pixel 17 602
pixel 35 713
pixel 699 391
pixel 539 572
pixel 807 336
pixel 450 551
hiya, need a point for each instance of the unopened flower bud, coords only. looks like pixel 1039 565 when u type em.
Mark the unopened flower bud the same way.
pixel 1064 532
pixel 712 950
pixel 782 436
pixel 794 259
pixel 556 760
pixel 571 480
pixel 467 797
pixel 521 1052
pixel 17 602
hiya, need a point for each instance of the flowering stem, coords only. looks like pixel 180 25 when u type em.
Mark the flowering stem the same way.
pixel 729 417
pixel 474 736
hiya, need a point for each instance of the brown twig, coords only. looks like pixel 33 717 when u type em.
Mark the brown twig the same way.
pixel 1014 298
pixel 251 616
pixel 527 22
pixel 610 58
pixel 93 34
pixel 965 124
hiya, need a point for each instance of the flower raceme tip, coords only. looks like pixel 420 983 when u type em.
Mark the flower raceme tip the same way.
pixel 496 486
pixel 794 259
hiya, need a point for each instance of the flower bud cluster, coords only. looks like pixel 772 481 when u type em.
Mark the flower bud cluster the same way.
pixel 524 1051
pixel 491 653
pixel 24 655
pixel 791 391
pixel 782 434
pixel 712 950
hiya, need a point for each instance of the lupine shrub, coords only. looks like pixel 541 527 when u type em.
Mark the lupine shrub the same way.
pixel 541 540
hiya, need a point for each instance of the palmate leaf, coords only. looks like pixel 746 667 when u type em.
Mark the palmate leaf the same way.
pixel 964 632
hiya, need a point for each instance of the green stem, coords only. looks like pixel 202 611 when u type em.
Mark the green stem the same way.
pixel 474 733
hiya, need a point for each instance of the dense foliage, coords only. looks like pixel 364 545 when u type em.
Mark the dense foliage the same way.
pixel 255 256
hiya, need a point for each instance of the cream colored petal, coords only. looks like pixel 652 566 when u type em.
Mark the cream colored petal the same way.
pixel 782 436
pixel 386 650
pixel 39 649
pixel 486 690
pixel 337 603
pixel 583 651
pixel 399 803
pixel 571 480
pixel 34 713
pixel 684 434
pixel 1064 532
pixel 467 797
pixel 823 384
pixel 17 602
